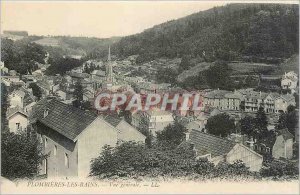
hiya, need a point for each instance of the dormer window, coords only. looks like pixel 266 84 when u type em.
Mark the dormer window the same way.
pixel 46 112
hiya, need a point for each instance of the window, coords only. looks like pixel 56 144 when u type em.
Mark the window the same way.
pixel 18 125
pixel 55 150
pixel 66 160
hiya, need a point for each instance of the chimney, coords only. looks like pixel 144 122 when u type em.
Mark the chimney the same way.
pixel 251 142
pixel 187 136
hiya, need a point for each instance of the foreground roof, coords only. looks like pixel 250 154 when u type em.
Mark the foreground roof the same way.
pixel 209 144
pixel 64 119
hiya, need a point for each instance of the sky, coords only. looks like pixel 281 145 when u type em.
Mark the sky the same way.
pixel 101 19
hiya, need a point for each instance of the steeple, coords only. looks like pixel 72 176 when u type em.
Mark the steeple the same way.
pixel 108 58
pixel 109 71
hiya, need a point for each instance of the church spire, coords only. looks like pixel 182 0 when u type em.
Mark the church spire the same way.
pixel 109 71
pixel 108 58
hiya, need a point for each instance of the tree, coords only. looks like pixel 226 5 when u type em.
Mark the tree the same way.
pixel 21 55
pixel 135 160
pixel 261 123
pixel 78 94
pixel 167 75
pixel 220 125
pixel 130 159
pixel 218 76
pixel 144 129
pixel 172 135
pixel 4 106
pixel 289 120
pixel 20 155
pixel 36 90
pixel 276 168
pixel 185 63
pixel 248 125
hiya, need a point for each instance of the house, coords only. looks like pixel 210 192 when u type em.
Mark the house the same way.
pixel 28 108
pixel 4 70
pixel 88 94
pixel 158 119
pixel 98 73
pixel 217 150
pixel 45 86
pixel 12 73
pixel 72 137
pixel 17 119
pixel 283 101
pixel 196 124
pixel 61 94
pixel 289 81
pixel 269 102
pixel 251 100
pixel 38 73
pixel 283 147
pixel 16 98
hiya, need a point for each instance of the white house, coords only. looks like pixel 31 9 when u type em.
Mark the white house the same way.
pixel 282 102
pixel 17 119
pixel 283 146
pixel 289 81
pixel 16 98
pixel 158 119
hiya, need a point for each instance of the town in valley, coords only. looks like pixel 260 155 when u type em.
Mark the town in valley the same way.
pixel 241 58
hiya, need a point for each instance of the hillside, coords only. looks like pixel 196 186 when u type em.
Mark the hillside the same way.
pixel 248 32
pixel 82 46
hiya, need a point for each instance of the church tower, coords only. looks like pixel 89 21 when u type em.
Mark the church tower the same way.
pixel 109 71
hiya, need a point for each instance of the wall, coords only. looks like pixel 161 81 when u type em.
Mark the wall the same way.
pixel 15 100
pixel 56 163
pixel 129 133
pixel 91 142
pixel 249 157
pixel 17 118
pixel 282 148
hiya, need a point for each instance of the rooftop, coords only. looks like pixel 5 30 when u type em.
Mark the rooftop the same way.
pixel 65 119
pixel 209 144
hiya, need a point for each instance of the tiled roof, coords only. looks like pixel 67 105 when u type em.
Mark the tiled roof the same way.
pixel 286 134
pixel 14 110
pixel 209 144
pixel 65 119
pixel 19 92
pixel 287 97
pixel 99 73
pixel 216 94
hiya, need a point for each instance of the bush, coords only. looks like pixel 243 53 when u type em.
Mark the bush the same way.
pixel 133 160
pixel 21 155
pixel 276 168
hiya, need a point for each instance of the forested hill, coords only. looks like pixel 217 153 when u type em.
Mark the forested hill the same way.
pixel 256 32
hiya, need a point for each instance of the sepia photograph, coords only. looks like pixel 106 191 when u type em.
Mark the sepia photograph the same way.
pixel 156 97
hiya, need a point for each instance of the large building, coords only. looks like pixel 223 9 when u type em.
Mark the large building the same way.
pixel 222 100
pixel 72 137
pixel 248 100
